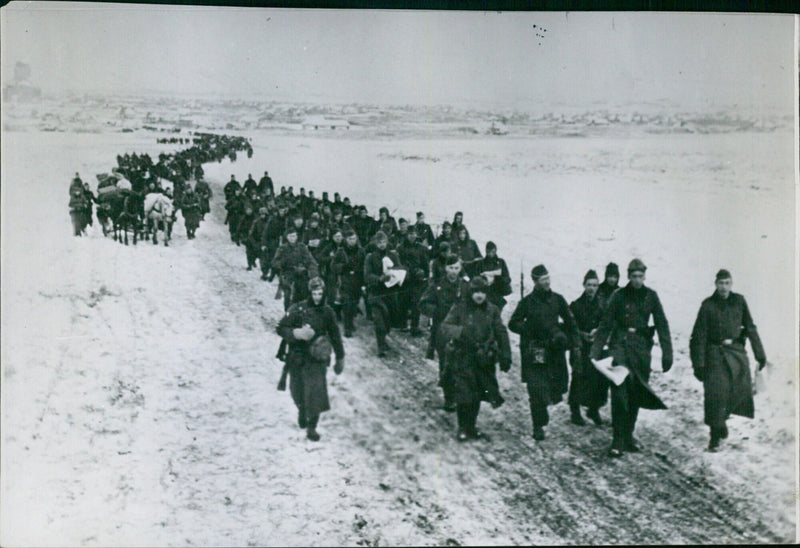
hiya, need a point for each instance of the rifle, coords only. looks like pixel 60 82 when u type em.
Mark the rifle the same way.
pixel 282 381
pixel 521 281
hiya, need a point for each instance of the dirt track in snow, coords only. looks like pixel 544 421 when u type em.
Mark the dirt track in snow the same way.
pixel 158 422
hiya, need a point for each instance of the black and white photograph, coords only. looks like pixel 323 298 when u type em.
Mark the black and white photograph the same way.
pixel 397 277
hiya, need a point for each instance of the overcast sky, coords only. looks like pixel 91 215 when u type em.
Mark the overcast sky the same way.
pixel 694 60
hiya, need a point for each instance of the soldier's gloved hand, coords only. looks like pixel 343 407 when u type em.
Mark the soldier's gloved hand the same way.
pixel 699 374
pixel 505 364
pixel 666 364
pixel 762 365
pixel 338 367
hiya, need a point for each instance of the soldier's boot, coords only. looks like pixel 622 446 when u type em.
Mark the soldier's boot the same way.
pixel 383 348
pixel 349 326
pixel 462 415
pixel 429 353
pixel 631 446
pixel 723 432
pixel 593 414
pixel 618 441
pixel 311 430
pixel 472 428
pixel 575 416
pixel 302 422
pixel 715 441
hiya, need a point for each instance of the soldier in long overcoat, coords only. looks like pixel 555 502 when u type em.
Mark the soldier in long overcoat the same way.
pixel 543 341
pixel 296 266
pixel 191 211
pixel 348 265
pixel 230 188
pixel 588 387
pixel 495 270
pixel 436 302
pixel 265 184
pixel 383 301
pixel 467 249
pixel 414 256
pixel 253 241
pixel 478 341
pixel 719 359
pixel 204 194
pixel 303 323
pixel 77 210
pixel 625 328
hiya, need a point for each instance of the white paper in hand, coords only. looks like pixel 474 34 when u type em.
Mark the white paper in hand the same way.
pixel 387 263
pixel 614 373
pixel 396 277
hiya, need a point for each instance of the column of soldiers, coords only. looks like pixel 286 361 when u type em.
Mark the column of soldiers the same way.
pixel 145 177
pixel 329 255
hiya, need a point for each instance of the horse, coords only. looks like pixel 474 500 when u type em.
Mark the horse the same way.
pixel 122 210
pixel 159 215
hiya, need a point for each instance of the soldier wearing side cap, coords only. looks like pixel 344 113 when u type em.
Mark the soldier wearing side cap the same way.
pixel 383 301
pixel 309 328
pixel 630 339
pixel 436 302
pixel 719 359
pixel 478 341
pixel 543 342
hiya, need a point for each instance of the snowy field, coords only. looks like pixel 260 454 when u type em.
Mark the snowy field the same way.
pixel 138 383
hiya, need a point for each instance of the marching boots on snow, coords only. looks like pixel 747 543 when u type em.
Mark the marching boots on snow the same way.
pixel 593 414
pixel 717 435
pixel 575 416
pixel 311 430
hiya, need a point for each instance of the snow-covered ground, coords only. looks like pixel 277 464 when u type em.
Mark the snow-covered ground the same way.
pixel 138 383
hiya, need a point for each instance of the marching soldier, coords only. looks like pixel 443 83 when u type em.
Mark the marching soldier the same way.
pixel 467 249
pixel 310 329
pixel 230 188
pixel 543 342
pixel 204 194
pixel 719 359
pixel 191 211
pixel 415 258
pixel 588 387
pixel 436 302
pixel 383 300
pixel 609 285
pixel 250 185
pixel 77 209
pixel 296 266
pixel 348 265
pixel 445 236
pixel 495 270
pixel 424 232
pixel 625 327
pixel 265 184
pixel 254 239
pixel 235 208
pixel 478 341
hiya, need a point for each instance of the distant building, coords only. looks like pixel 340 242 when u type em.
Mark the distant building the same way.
pixel 321 122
